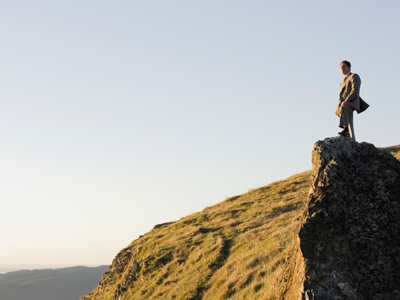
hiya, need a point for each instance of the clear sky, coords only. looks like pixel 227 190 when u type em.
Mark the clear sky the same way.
pixel 116 116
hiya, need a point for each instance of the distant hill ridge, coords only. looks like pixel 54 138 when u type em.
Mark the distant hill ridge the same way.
pixel 50 284
pixel 240 248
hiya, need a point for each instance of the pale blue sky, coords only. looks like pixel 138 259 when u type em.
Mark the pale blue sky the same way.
pixel 119 115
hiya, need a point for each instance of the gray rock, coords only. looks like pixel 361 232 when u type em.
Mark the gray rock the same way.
pixel 348 246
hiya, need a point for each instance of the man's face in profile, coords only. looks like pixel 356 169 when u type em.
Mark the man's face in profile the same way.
pixel 344 69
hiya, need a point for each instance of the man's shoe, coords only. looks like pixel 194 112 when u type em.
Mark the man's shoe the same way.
pixel 345 133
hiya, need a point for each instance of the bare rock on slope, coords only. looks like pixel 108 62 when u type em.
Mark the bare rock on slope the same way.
pixel 348 246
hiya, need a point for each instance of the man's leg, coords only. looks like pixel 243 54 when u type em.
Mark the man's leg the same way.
pixel 346 119
pixel 351 126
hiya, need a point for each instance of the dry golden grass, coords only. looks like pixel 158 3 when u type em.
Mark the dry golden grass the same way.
pixel 233 250
pixel 391 149
pixel 394 150
pixel 396 154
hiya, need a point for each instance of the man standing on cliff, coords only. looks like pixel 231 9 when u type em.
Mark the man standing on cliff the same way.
pixel 349 100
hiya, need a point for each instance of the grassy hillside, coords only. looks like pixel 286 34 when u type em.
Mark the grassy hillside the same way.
pixel 394 150
pixel 235 249
pixel 50 284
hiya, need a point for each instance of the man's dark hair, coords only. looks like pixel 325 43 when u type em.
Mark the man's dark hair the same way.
pixel 347 63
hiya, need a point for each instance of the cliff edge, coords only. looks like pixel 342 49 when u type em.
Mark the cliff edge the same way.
pixel 348 246
pixel 339 239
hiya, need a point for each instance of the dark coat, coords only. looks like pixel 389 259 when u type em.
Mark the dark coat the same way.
pixel 350 92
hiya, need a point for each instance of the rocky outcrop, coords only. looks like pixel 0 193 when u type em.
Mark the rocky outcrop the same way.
pixel 118 266
pixel 348 246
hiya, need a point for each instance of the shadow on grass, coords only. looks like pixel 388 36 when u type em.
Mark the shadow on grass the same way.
pixel 214 266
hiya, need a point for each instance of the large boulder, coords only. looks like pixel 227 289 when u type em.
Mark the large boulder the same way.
pixel 348 246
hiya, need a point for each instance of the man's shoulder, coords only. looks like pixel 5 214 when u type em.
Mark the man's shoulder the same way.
pixel 354 75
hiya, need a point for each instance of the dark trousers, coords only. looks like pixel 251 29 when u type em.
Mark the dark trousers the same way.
pixel 346 119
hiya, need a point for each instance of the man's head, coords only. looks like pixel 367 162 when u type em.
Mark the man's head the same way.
pixel 345 67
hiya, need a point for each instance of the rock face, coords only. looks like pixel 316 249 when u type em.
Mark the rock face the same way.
pixel 348 246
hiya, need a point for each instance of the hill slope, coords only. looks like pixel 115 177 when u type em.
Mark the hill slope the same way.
pixel 394 150
pixel 248 246
pixel 50 284
pixel 234 249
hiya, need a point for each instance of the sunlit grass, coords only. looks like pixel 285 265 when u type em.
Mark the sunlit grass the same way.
pixel 394 150
pixel 396 154
pixel 235 249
